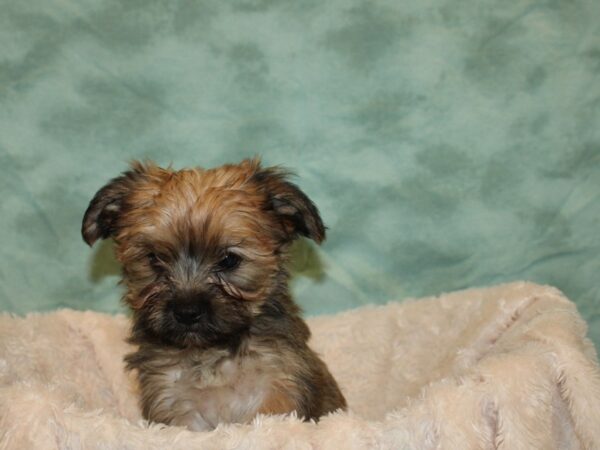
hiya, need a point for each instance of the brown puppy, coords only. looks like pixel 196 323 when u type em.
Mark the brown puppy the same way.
pixel 204 263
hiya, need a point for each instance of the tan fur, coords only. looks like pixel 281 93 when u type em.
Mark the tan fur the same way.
pixel 242 349
pixel 278 400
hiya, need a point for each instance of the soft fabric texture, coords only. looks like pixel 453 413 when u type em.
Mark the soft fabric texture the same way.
pixel 448 143
pixel 508 367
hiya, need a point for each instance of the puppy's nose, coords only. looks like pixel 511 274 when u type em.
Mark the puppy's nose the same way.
pixel 188 313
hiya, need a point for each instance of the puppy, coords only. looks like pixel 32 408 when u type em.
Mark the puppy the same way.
pixel 204 256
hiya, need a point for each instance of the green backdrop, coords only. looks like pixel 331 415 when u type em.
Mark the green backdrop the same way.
pixel 448 143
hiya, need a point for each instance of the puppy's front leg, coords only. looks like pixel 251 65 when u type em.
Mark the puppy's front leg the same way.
pixel 193 421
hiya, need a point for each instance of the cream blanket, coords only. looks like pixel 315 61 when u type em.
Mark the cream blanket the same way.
pixel 508 367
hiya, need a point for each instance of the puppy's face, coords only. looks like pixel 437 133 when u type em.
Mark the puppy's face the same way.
pixel 201 249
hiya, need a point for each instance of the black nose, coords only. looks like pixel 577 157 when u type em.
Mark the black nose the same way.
pixel 188 313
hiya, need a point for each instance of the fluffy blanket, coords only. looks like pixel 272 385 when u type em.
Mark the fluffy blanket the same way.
pixel 508 367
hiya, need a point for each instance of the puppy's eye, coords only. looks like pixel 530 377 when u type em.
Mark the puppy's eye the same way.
pixel 229 262
pixel 153 260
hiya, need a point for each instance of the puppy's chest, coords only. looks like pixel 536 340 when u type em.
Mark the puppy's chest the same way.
pixel 208 391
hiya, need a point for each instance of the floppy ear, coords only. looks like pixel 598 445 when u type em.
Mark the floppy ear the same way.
pixel 297 212
pixel 101 217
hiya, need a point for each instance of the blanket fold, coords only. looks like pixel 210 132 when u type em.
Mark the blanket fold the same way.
pixel 506 367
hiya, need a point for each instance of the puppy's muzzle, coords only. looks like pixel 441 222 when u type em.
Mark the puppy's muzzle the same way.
pixel 190 311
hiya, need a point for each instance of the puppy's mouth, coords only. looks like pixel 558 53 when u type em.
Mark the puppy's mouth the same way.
pixel 197 322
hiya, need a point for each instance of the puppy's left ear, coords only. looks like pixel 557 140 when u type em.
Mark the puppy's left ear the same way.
pixel 296 211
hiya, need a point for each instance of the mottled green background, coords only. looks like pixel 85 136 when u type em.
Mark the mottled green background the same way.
pixel 448 143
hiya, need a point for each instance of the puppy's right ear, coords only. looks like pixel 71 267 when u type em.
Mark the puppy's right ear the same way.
pixel 102 215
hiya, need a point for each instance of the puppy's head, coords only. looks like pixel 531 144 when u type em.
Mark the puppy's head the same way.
pixel 201 250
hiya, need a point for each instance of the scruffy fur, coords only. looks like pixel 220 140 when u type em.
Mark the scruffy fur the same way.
pixel 204 257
